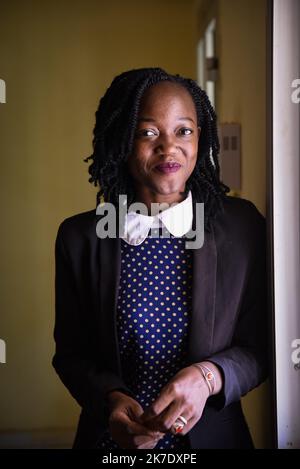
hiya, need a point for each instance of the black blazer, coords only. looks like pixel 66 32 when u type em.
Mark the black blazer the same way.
pixel 228 320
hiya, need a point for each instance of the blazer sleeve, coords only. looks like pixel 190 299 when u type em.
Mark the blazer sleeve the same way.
pixel 73 359
pixel 244 365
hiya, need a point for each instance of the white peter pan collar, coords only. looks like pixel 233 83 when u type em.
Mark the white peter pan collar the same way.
pixel 177 219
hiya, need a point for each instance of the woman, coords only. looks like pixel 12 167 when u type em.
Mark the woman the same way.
pixel 157 342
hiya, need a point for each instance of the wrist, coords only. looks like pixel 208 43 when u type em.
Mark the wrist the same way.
pixel 211 376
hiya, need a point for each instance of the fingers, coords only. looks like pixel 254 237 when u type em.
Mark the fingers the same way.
pixel 136 428
pixel 131 435
pixel 170 416
pixel 150 445
pixel 180 396
pixel 141 437
pixel 135 412
pixel 161 403
pixel 126 426
pixel 164 423
pixel 135 424
pixel 141 442
pixel 191 422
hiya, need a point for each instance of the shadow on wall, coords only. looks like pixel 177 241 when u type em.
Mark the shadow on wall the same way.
pixel 38 439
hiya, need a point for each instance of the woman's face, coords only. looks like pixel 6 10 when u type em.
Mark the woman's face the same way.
pixel 166 135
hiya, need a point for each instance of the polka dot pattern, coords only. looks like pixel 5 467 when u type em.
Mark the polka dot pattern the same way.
pixel 154 304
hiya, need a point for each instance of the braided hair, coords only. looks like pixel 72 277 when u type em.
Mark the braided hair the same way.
pixel 114 132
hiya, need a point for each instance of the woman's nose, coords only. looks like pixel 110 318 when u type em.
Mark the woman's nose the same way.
pixel 166 144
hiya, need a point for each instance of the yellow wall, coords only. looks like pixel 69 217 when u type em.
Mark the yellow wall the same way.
pixel 241 97
pixel 242 87
pixel 57 58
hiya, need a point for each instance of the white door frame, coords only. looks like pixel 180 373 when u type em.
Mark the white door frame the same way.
pixel 284 211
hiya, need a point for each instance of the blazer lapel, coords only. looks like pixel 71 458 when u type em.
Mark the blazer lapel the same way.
pixel 110 265
pixel 203 297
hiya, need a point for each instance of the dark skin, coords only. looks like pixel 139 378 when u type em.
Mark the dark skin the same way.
pixel 167 130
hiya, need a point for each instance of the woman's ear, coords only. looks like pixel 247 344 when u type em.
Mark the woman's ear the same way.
pixel 199 132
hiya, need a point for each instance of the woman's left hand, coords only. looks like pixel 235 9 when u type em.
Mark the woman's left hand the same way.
pixel 185 394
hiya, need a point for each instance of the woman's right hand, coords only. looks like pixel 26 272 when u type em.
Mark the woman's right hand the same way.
pixel 124 423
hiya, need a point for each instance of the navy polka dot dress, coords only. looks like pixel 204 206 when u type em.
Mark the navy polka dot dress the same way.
pixel 153 310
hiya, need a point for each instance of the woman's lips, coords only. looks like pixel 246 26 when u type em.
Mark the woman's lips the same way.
pixel 168 167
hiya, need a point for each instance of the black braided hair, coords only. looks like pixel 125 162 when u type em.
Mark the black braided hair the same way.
pixel 114 131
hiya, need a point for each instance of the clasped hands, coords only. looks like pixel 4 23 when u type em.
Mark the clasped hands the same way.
pixel 133 428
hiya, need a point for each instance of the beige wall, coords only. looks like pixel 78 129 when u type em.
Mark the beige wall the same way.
pixel 57 58
pixel 241 97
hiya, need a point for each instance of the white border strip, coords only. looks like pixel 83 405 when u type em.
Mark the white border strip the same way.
pixel 286 209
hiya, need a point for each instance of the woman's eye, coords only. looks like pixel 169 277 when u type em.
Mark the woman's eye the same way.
pixel 146 133
pixel 186 131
